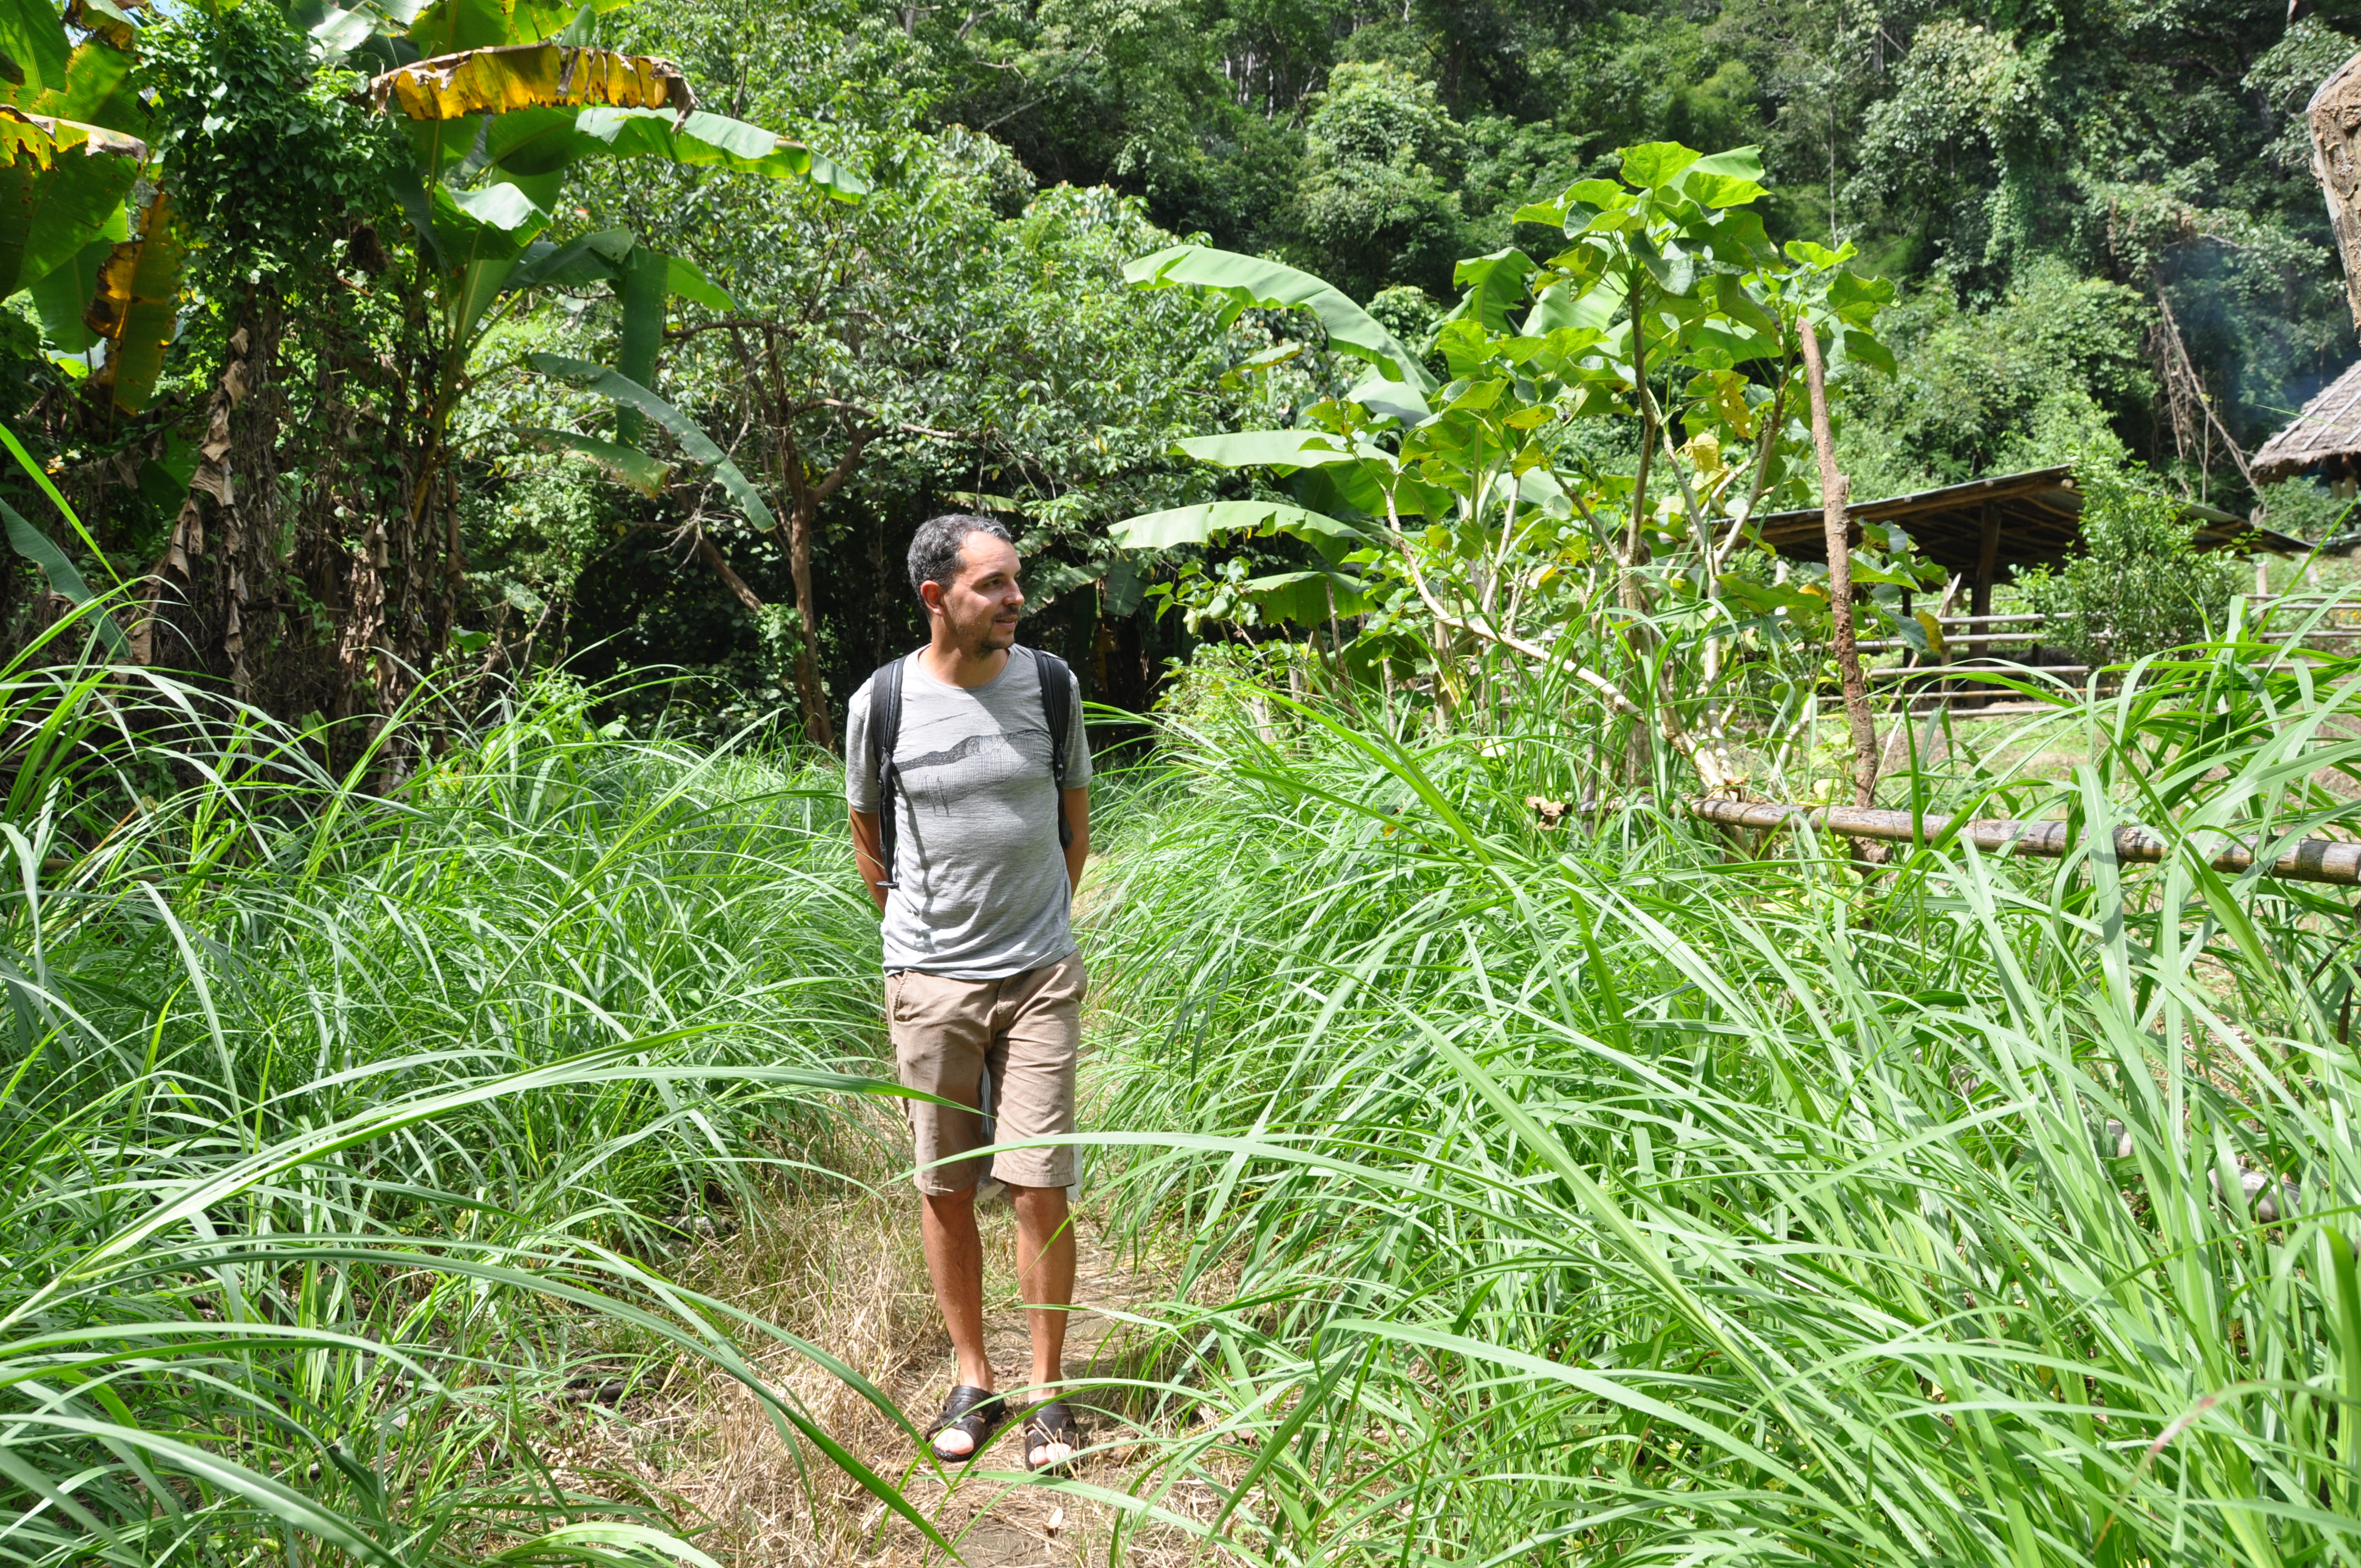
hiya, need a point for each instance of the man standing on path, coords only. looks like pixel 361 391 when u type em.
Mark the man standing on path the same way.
pixel 959 843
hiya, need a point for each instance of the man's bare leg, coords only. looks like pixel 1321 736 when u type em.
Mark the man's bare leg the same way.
pixel 955 1262
pixel 1045 1272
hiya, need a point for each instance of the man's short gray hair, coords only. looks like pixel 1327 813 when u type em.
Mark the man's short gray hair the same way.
pixel 935 552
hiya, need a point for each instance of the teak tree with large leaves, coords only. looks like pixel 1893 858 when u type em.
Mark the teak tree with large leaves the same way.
pixel 1479 517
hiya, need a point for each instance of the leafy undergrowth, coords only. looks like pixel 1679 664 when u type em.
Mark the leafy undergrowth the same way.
pixel 346 1139
pixel 1624 1193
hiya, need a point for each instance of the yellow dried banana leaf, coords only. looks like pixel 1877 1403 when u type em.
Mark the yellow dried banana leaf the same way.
pixel 137 307
pixel 530 76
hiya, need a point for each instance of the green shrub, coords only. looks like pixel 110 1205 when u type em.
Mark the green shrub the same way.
pixel 2140 586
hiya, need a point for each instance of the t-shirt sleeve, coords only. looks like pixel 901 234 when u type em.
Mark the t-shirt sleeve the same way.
pixel 860 783
pixel 1078 738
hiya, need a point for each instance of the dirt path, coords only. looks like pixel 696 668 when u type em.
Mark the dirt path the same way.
pixel 846 1274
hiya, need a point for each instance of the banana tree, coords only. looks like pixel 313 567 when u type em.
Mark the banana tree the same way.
pixel 497 101
pixel 1472 514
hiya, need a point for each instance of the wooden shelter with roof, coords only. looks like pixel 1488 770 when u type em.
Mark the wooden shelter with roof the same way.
pixel 2326 435
pixel 1987 529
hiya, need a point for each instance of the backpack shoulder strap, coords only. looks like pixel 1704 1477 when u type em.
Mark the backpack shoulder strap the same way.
pixel 1057 707
pixel 884 733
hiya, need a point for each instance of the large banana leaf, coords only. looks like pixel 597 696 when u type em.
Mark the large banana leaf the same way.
pixel 1271 448
pixel 448 27
pixel 33 49
pixel 138 303
pixel 1199 524
pixel 63 296
pixel 1250 282
pixel 714 140
pixel 626 464
pixel 626 393
pixel 1307 598
pixel 60 183
pixel 530 76
pixel 97 91
pixel 602 257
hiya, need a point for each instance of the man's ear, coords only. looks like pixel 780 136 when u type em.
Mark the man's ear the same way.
pixel 931 595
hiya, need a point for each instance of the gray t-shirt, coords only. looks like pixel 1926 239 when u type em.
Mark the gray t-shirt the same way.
pixel 981 890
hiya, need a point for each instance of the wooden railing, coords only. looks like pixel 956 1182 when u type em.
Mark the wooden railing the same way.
pixel 2306 860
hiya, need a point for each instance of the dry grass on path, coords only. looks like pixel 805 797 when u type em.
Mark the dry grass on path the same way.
pixel 845 1272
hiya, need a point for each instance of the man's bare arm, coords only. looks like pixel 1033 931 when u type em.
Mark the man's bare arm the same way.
pixel 869 854
pixel 1078 818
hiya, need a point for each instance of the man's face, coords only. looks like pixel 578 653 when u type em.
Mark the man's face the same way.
pixel 980 607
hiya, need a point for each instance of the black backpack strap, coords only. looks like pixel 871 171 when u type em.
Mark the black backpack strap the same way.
pixel 885 731
pixel 1057 707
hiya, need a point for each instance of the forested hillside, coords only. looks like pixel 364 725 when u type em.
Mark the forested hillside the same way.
pixel 2100 218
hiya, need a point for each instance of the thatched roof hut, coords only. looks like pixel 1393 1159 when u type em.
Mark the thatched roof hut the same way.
pixel 2325 435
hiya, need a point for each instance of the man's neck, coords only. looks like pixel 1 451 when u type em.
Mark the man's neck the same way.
pixel 953 665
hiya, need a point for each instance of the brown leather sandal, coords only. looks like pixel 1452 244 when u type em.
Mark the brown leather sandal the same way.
pixel 1051 1422
pixel 978 1412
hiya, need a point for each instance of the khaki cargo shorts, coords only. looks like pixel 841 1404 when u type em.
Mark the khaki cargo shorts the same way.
pixel 1027 1029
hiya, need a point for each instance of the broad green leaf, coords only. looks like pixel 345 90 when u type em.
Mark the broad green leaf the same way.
pixel 1495 284
pixel 1722 190
pixel 644 275
pixel 34 43
pixel 1268 448
pixel 626 464
pixel 684 280
pixel 713 140
pixel 1251 282
pixel 535 141
pixel 97 91
pixel 1394 400
pixel 137 304
pixel 692 438
pixel 1655 164
pixel 1199 524
pixel 587 258
pixel 505 206
pixel 63 296
pixel 448 27
pixel 1560 308
pixel 61 185
pixel 583 30
pixel 1856 299
pixel 481 284
pixel 340 32
pixel 1308 598
pixel 1860 345
pixel 65 579
pixel 1738 163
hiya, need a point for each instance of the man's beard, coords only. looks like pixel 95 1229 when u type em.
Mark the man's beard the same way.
pixel 987 638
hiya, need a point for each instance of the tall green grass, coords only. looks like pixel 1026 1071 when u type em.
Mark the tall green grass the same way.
pixel 345 1136
pixel 1625 1192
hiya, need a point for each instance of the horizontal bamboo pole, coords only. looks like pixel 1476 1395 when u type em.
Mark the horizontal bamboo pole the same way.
pixel 2308 860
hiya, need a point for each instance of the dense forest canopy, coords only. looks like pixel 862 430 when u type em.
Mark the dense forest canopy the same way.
pixel 2100 218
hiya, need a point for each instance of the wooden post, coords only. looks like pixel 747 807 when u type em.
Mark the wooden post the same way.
pixel 1987 562
pixel 1835 491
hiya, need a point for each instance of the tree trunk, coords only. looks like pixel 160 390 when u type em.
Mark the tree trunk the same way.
pixel 816 726
pixel 1835 491
pixel 2334 114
